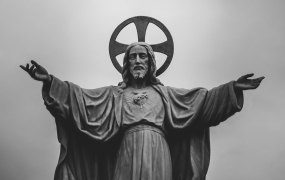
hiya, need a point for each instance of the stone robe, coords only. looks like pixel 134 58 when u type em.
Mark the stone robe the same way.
pixel 90 131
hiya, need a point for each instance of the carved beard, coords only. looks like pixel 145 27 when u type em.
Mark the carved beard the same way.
pixel 139 73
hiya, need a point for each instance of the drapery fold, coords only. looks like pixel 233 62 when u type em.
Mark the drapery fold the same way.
pixel 89 127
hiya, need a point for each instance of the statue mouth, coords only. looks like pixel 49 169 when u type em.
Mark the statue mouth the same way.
pixel 138 68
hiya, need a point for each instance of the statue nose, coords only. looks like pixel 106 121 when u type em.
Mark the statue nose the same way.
pixel 138 60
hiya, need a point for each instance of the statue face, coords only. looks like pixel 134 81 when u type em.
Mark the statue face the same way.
pixel 138 61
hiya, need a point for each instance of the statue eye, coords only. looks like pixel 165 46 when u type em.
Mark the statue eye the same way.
pixel 132 57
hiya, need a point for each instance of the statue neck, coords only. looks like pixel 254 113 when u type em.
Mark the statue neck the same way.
pixel 139 83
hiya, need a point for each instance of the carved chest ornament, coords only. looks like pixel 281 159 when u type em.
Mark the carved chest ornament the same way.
pixel 140 98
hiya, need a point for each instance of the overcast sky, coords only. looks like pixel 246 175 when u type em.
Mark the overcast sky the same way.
pixel 214 42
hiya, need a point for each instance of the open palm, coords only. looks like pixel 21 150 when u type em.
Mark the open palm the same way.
pixel 243 83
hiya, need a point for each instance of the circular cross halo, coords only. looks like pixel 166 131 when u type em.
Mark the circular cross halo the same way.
pixel 141 23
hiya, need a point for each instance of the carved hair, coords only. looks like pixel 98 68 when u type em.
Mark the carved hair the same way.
pixel 151 74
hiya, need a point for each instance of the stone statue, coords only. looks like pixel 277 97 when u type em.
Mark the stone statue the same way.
pixel 140 129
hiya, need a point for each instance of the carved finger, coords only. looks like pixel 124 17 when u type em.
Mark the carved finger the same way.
pixel 256 86
pixel 34 72
pixel 261 78
pixel 257 82
pixel 27 67
pixel 23 67
pixel 31 69
pixel 258 79
pixel 248 75
pixel 35 63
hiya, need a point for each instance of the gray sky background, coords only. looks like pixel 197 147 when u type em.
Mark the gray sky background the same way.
pixel 215 42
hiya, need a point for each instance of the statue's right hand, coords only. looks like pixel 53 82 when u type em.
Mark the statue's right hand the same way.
pixel 37 72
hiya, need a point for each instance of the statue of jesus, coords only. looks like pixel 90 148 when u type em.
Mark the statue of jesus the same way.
pixel 140 129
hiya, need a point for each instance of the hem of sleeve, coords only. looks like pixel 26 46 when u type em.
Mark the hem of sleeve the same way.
pixel 236 97
pixel 48 100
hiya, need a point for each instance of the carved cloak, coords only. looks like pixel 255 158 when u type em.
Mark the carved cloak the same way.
pixel 89 120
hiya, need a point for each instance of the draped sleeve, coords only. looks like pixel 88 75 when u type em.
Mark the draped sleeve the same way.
pixel 188 116
pixel 90 110
pixel 86 124
pixel 199 107
pixel 219 104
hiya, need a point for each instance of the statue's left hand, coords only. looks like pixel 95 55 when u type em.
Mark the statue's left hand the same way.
pixel 243 83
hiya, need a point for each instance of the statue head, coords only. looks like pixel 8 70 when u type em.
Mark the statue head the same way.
pixel 138 62
pixel 142 70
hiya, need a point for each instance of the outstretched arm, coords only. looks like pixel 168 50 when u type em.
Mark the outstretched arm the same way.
pixel 225 100
pixel 243 83
pixel 55 92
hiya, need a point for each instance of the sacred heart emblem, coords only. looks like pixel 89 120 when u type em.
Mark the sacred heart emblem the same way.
pixel 140 98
